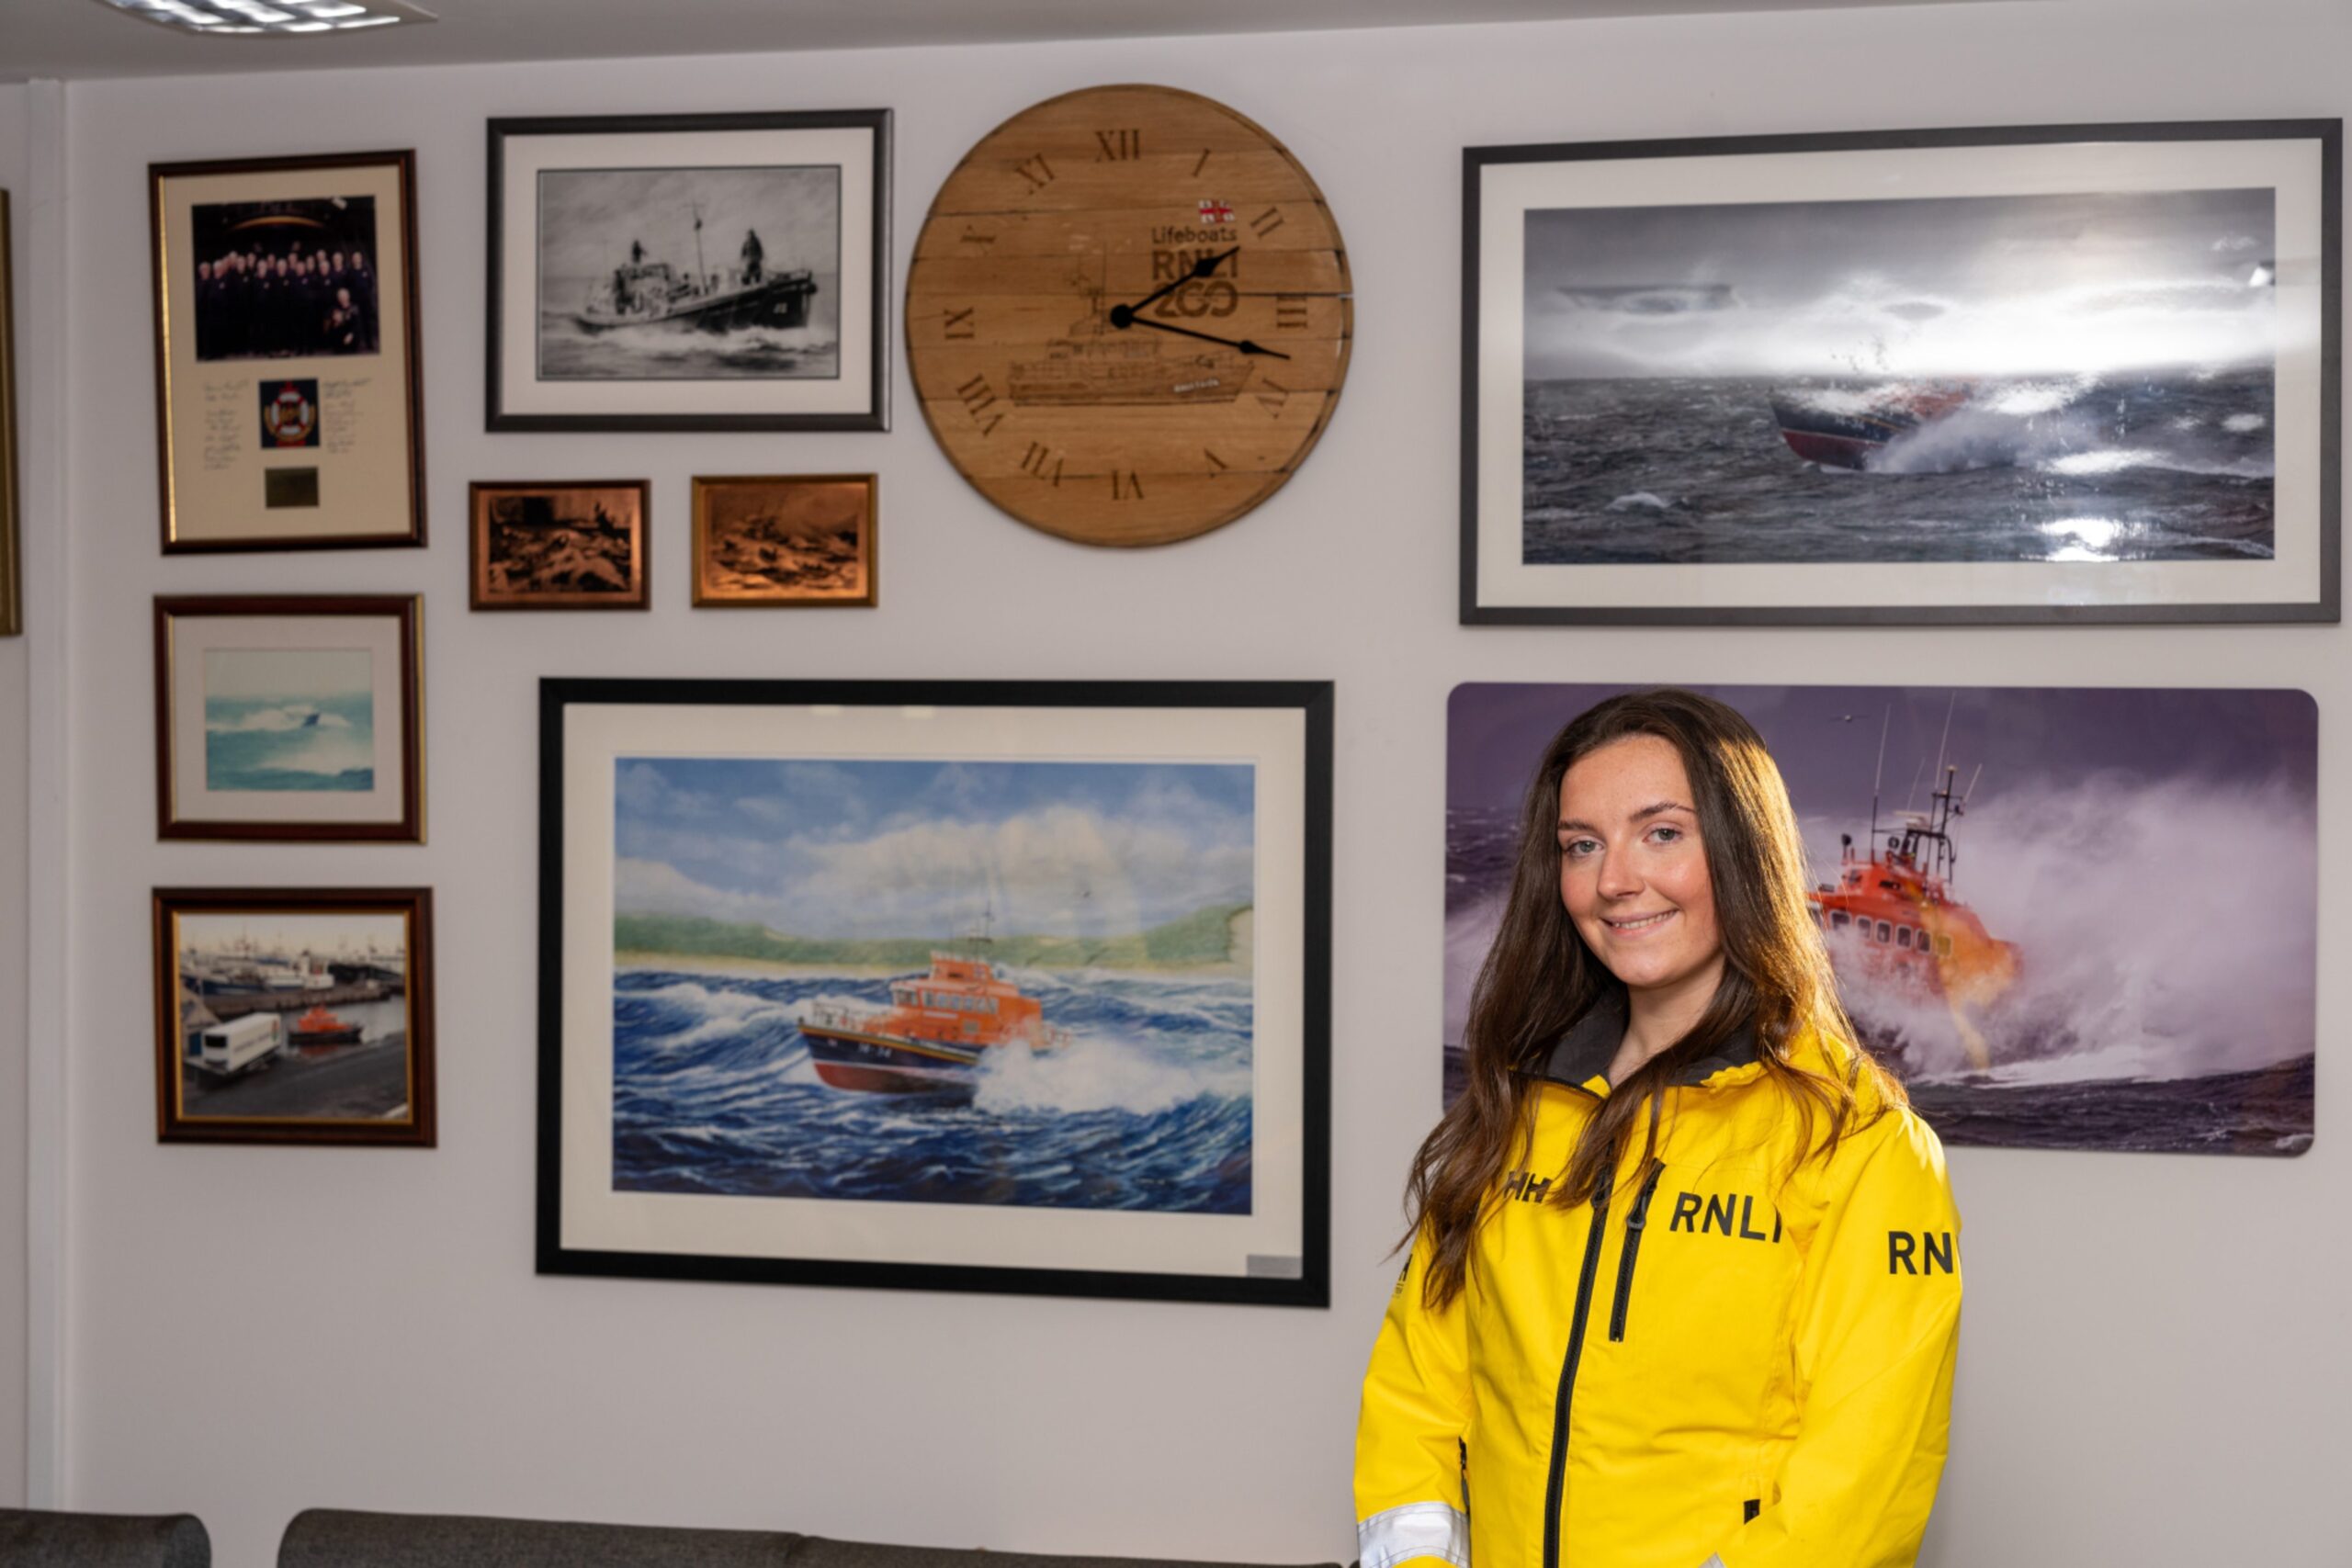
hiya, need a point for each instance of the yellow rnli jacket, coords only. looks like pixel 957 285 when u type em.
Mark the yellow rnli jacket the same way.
pixel 1717 1363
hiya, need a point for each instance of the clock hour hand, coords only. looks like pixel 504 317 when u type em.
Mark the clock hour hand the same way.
pixel 1245 345
pixel 1123 315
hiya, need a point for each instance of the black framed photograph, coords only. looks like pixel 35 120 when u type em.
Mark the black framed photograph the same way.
pixel 294 1015
pixel 689 272
pixel 290 401
pixel 2042 374
pixel 973 985
pixel 289 716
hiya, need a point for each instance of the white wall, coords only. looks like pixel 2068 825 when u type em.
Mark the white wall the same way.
pixel 2153 1369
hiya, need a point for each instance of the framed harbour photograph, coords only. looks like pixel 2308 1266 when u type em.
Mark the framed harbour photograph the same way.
pixel 2000 877
pixel 289 716
pixel 290 400
pixel 787 539
pixel 689 272
pixel 294 1015
pixel 569 544
pixel 2043 374
pixel 975 986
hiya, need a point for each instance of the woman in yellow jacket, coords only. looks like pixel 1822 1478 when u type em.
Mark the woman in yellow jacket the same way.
pixel 1684 1287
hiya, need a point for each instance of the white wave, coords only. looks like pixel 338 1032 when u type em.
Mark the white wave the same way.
pixel 2243 423
pixel 1094 1074
pixel 2114 460
pixel 719 1013
pixel 277 720
pixel 1641 499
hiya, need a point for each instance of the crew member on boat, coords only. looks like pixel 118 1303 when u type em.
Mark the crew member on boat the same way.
pixel 753 254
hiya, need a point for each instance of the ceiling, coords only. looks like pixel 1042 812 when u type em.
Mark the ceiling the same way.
pixel 76 39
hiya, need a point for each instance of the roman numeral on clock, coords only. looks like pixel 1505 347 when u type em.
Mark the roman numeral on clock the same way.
pixel 1044 463
pixel 1271 396
pixel 1290 313
pixel 1118 146
pixel 1036 171
pixel 1126 487
pixel 958 324
pixel 1266 222
pixel 978 399
pixel 1221 464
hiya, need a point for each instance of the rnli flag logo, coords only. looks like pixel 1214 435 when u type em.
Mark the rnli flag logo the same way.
pixel 1215 211
pixel 289 413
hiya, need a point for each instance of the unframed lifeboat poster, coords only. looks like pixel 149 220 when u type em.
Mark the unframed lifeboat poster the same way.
pixel 2087 916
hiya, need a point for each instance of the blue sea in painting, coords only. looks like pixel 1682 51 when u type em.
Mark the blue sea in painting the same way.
pixel 1148 1108
pixel 289 743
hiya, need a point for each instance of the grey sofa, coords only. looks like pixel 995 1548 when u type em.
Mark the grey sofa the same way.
pixel 36 1539
pixel 328 1538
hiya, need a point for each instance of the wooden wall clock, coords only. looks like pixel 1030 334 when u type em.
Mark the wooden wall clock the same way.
pixel 1128 315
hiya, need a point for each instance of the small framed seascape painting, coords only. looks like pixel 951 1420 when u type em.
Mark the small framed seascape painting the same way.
pixel 294 1015
pixel 2042 373
pixel 289 716
pixel 289 404
pixel 796 539
pixel 572 545
pixel 689 272
pixel 972 986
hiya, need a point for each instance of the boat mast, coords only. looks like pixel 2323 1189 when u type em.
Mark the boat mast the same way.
pixel 1886 717
pixel 701 276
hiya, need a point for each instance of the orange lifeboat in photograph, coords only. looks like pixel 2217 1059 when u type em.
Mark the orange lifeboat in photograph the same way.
pixel 1895 923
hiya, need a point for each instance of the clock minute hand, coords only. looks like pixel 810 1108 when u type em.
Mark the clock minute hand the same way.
pixel 1200 269
pixel 1245 345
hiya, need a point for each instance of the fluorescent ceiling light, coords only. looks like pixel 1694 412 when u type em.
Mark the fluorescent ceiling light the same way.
pixel 272 18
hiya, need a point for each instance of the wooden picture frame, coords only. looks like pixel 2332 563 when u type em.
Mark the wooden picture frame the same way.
pixel 289 717
pixel 290 383
pixel 569 544
pixel 276 1017
pixel 1193 937
pixel 12 557
pixel 2032 375
pixel 787 541
pixel 644 326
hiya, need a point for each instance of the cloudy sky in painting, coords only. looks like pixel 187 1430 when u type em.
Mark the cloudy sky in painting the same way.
pixel 1973 285
pixel 922 849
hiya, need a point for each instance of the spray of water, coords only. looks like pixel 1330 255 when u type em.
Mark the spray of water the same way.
pixel 1095 1074
pixel 2165 929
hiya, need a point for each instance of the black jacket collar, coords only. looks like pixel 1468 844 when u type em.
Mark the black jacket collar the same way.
pixel 1582 1054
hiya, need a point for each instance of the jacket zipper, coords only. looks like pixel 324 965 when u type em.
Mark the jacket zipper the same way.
pixel 1635 1219
pixel 1560 1401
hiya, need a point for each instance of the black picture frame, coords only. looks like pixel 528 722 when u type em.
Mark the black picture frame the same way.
pixel 2319 595
pixel 1301 1281
pixel 875 333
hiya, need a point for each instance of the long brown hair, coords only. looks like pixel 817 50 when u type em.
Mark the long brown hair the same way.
pixel 1539 979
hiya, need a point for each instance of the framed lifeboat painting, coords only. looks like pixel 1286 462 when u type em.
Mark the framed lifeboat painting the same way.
pixel 1006 986
pixel 1996 875
pixel 2035 375
pixel 689 272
